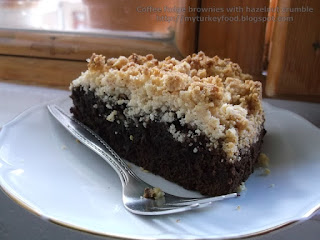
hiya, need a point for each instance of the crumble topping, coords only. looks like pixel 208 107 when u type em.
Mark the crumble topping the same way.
pixel 211 95
pixel 111 116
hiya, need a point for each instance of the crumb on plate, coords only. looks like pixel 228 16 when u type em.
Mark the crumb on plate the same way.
pixel 241 188
pixel 153 193
pixel 144 170
pixel 263 160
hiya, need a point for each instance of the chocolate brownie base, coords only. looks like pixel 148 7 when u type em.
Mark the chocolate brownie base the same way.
pixel 151 146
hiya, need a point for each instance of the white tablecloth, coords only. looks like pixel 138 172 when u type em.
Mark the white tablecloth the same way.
pixel 18 223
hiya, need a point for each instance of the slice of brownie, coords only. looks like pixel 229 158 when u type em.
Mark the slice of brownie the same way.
pixel 197 122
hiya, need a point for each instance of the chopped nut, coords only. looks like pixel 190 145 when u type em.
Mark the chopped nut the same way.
pixel 262 164
pixel 261 171
pixel 241 188
pixel 148 193
pixel 144 170
pixel 153 193
pixel 266 171
pixel 263 160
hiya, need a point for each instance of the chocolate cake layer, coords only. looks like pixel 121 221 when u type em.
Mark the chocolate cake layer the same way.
pixel 151 146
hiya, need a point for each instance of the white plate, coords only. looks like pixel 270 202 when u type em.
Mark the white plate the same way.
pixel 44 169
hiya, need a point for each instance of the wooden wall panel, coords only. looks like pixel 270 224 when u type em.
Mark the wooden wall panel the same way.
pixel 55 45
pixel 37 71
pixel 242 41
pixel 294 66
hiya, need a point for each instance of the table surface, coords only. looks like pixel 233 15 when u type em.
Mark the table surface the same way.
pixel 17 223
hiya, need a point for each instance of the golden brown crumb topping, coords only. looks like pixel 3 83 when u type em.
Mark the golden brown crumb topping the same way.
pixel 210 94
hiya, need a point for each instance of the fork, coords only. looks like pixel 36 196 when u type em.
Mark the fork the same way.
pixel 133 187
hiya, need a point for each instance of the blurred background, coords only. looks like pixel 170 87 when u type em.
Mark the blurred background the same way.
pixel 45 42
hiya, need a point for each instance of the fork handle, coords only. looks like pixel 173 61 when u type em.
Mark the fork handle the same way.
pixel 89 138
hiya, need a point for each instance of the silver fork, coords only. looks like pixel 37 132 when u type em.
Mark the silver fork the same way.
pixel 132 186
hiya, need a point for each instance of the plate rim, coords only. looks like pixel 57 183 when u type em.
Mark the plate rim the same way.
pixel 58 222
pixel 38 213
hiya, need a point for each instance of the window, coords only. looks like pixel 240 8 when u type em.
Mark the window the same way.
pixel 53 38
pixel 46 42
